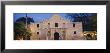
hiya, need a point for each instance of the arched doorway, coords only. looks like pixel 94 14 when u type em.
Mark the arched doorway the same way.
pixel 56 36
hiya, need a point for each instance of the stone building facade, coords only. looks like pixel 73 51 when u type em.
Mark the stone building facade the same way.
pixel 56 28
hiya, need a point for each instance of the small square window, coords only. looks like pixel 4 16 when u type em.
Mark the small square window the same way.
pixel 37 25
pixel 37 32
pixel 56 24
pixel 74 32
pixel 48 23
pixel 73 25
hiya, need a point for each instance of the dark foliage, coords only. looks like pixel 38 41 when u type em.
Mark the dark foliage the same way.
pixel 89 20
pixel 20 30
pixel 23 19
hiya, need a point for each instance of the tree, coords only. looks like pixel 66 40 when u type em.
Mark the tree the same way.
pixel 23 19
pixel 20 30
pixel 94 22
pixel 86 18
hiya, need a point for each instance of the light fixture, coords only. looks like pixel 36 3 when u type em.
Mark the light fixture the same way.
pixel 84 34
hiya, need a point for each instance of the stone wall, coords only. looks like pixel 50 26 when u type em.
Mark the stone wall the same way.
pixel 63 26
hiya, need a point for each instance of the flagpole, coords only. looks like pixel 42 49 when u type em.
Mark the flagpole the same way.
pixel 26 25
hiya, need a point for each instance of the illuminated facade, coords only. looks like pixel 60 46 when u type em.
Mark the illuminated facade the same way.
pixel 56 28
